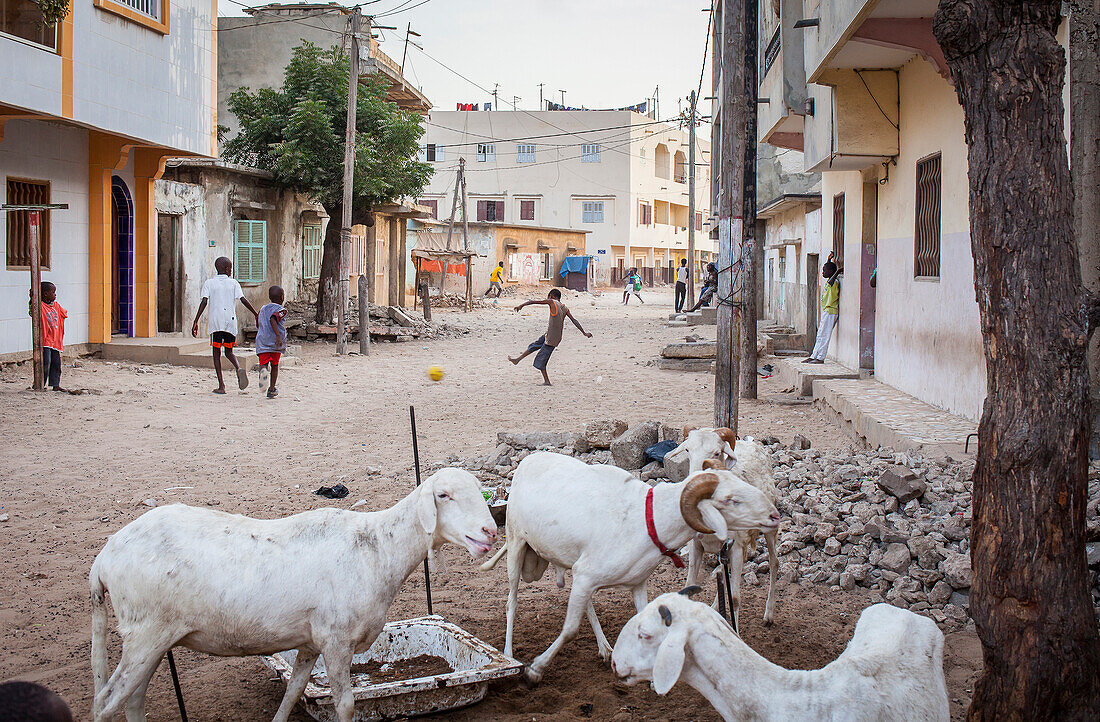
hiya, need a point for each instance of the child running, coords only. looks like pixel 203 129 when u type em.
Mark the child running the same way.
pixel 546 343
pixel 271 339
pixel 494 280
pixel 221 293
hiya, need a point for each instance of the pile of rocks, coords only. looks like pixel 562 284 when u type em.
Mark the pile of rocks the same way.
pixel 387 323
pixel 897 524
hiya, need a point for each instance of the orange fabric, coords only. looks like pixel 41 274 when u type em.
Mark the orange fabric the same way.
pixel 53 325
pixel 429 266
pixel 459 269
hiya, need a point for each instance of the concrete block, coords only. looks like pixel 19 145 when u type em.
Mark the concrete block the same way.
pixel 705 349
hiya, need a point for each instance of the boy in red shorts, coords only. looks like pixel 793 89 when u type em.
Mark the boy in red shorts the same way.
pixel 221 294
pixel 271 339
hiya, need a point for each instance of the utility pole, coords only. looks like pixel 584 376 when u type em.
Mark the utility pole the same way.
pixel 345 208
pixel 495 86
pixel 469 305
pixel 540 96
pixel 730 221
pixel 562 98
pixel 748 209
pixel 515 102
pixel 404 54
pixel 691 202
pixel 454 201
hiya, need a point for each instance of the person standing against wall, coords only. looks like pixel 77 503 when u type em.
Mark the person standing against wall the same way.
pixel 681 284
pixel 830 312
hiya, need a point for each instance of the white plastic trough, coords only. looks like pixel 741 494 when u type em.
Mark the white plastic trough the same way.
pixel 475 664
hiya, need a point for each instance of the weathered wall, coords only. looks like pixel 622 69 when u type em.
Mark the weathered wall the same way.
pixel 207 230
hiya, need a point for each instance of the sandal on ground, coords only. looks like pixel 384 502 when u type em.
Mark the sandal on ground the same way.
pixel 242 378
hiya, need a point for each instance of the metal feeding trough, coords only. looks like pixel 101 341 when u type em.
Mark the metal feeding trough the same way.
pixel 473 663
pixel 499 510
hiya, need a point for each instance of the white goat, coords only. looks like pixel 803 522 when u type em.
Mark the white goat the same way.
pixel 720 448
pixel 320 582
pixel 891 670
pixel 592 519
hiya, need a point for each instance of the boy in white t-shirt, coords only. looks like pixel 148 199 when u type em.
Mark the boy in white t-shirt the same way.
pixel 221 293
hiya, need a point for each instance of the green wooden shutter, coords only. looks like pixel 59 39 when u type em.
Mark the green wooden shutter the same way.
pixel 311 252
pixel 250 251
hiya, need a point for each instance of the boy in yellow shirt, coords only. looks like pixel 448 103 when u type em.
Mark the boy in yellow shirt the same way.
pixel 830 312
pixel 494 280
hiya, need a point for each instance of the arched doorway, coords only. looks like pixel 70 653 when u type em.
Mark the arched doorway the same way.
pixel 122 258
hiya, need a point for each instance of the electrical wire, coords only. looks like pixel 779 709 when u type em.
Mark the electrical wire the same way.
pixel 276 22
pixel 706 44
pixel 401 9
pixel 535 137
pixel 859 74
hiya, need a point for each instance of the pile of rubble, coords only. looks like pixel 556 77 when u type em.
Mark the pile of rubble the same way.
pixel 896 524
pixel 387 323
pixel 448 299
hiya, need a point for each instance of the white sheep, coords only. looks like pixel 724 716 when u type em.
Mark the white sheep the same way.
pixel 891 670
pixel 720 448
pixel 592 519
pixel 321 582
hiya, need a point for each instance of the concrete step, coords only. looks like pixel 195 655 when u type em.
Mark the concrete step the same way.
pixel 696 350
pixel 686 364
pixel 246 357
pixel 792 372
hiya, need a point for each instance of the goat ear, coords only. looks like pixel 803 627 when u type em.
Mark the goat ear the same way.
pixel 425 508
pixel 714 518
pixel 669 661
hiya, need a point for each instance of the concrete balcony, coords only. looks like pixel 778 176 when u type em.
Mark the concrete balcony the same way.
pixel 868 34
pixel 855 122
pixel 783 82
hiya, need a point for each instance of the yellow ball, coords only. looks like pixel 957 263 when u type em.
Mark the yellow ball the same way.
pixel 435 373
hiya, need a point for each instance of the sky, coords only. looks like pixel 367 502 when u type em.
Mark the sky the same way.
pixel 603 53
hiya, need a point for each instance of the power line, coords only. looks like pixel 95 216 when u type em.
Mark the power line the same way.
pixel 706 44
pixel 534 137
pixel 276 22
pixel 400 9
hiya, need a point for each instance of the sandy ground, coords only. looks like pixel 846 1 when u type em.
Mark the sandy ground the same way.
pixel 75 469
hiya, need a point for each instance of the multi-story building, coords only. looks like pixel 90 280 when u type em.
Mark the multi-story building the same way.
pixel 619 174
pixel 89 111
pixel 862 89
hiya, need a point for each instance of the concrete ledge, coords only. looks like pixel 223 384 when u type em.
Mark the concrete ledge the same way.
pixel 880 415
pixel 792 372
pixel 686 364
pixel 72 350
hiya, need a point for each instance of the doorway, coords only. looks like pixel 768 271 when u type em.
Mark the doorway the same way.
pixel 122 259
pixel 868 261
pixel 813 307
pixel 169 274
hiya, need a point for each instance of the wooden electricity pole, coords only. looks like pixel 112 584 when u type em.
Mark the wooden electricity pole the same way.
pixel 691 203
pixel 469 305
pixel 345 209
pixel 1029 597
pixel 748 210
pixel 730 226
pixel 454 201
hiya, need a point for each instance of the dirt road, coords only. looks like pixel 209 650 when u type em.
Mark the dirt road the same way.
pixel 75 469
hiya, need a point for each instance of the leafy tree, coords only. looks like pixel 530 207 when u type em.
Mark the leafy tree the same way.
pixel 297 133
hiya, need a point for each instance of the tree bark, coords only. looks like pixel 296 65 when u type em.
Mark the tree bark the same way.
pixel 1029 597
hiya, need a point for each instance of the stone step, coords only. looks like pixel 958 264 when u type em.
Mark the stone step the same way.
pixel 698 350
pixel 686 364
pixel 792 372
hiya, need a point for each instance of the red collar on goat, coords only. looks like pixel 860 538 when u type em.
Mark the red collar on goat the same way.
pixel 649 526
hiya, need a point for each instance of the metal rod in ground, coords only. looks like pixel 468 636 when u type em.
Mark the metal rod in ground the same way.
pixel 176 684
pixel 416 467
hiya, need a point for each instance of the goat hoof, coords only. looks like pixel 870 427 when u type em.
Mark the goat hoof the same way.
pixel 532 678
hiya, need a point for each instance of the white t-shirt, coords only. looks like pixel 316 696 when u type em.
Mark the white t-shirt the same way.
pixel 222 292
pixel 682 274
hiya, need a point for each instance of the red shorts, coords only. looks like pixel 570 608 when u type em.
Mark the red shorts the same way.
pixel 269 358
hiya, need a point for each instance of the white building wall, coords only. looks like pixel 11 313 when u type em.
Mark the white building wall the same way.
pixel 59 154
pixel 559 181
pixel 928 339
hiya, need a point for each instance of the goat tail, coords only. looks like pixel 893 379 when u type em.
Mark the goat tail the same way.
pixel 99 631
pixel 492 562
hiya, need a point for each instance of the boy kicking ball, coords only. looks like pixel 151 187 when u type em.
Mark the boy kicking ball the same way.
pixel 271 339
pixel 546 343
pixel 221 294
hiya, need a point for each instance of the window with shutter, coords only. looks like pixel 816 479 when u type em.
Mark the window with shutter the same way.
pixel 838 229
pixel 482 210
pixel 590 153
pixel 698 221
pixel 592 212
pixel 525 153
pixel 311 252
pixel 250 251
pixel 926 252
pixel 498 211
pixel 490 210
pixel 433 153
pixel 486 152
pixel 546 267
pixel 645 214
pixel 527 210
pixel 27 192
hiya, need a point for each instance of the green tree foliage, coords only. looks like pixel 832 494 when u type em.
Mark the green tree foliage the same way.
pixel 297 133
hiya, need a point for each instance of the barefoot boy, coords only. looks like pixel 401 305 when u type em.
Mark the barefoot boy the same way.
pixel 271 339
pixel 546 343
pixel 221 293
pixel 53 334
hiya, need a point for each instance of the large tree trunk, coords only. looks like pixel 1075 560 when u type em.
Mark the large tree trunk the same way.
pixel 1030 598
pixel 328 286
